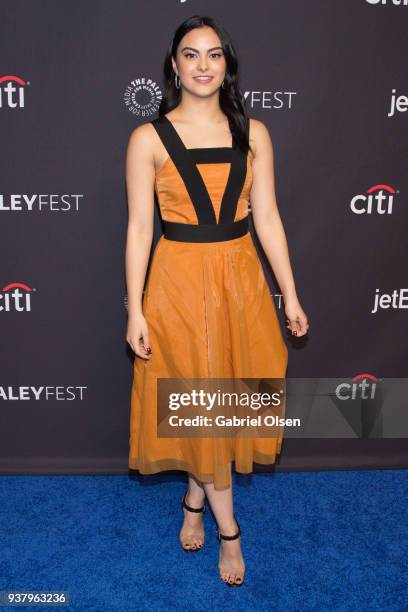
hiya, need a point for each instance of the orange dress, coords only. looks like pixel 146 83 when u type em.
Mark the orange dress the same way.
pixel 207 305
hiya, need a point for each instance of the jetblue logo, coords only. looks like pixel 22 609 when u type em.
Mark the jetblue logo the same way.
pixel 398 300
pixel 398 103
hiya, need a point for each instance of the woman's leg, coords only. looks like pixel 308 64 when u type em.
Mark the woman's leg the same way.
pixel 192 531
pixel 231 564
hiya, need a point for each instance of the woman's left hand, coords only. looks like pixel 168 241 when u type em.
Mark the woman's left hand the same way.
pixel 296 318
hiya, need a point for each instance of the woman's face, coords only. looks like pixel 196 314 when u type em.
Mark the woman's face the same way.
pixel 200 54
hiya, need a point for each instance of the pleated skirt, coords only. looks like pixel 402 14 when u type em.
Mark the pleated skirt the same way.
pixel 210 314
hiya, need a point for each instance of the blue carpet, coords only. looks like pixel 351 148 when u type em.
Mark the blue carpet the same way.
pixel 312 541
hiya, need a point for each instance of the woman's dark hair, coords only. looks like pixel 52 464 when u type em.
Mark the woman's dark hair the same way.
pixel 231 98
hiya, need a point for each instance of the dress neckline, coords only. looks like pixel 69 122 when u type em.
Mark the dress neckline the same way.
pixel 194 148
pixel 184 162
pixel 209 148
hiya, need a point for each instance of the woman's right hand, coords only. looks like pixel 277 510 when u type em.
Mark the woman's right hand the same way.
pixel 138 336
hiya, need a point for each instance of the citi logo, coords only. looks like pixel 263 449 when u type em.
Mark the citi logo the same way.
pixel 399 104
pixel 16 297
pixel 12 90
pixel 362 386
pixel 394 2
pixel 379 199
pixel 398 299
pixel 269 99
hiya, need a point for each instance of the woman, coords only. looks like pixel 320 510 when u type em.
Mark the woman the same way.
pixel 206 309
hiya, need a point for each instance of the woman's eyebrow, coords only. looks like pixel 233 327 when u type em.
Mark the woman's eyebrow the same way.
pixel 192 49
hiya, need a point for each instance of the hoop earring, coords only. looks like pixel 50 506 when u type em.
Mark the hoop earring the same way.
pixel 175 81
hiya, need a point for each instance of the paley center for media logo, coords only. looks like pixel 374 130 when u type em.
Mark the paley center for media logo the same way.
pixel 12 91
pixel 378 199
pixel 16 297
pixel 143 96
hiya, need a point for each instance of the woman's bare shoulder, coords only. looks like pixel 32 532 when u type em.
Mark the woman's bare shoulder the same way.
pixel 144 145
pixel 143 135
pixel 259 135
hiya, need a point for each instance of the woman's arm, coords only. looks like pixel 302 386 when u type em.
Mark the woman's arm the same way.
pixel 140 175
pixel 268 224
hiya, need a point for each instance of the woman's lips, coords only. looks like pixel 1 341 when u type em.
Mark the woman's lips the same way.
pixel 202 79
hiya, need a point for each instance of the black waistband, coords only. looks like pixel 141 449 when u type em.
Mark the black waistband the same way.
pixel 203 232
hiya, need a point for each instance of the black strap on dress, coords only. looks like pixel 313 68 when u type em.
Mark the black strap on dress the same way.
pixel 207 229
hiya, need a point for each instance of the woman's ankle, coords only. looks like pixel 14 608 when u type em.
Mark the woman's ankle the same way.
pixel 228 527
pixel 195 499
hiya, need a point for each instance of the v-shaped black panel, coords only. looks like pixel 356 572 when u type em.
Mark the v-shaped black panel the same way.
pixel 235 183
pixel 185 161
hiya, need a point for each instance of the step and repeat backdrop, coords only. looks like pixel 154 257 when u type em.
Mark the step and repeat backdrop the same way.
pixel 328 78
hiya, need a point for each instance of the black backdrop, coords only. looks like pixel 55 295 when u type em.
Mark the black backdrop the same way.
pixel 329 79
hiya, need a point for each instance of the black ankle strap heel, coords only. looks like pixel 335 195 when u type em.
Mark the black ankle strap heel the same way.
pixel 236 535
pixel 189 508
pixel 225 537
